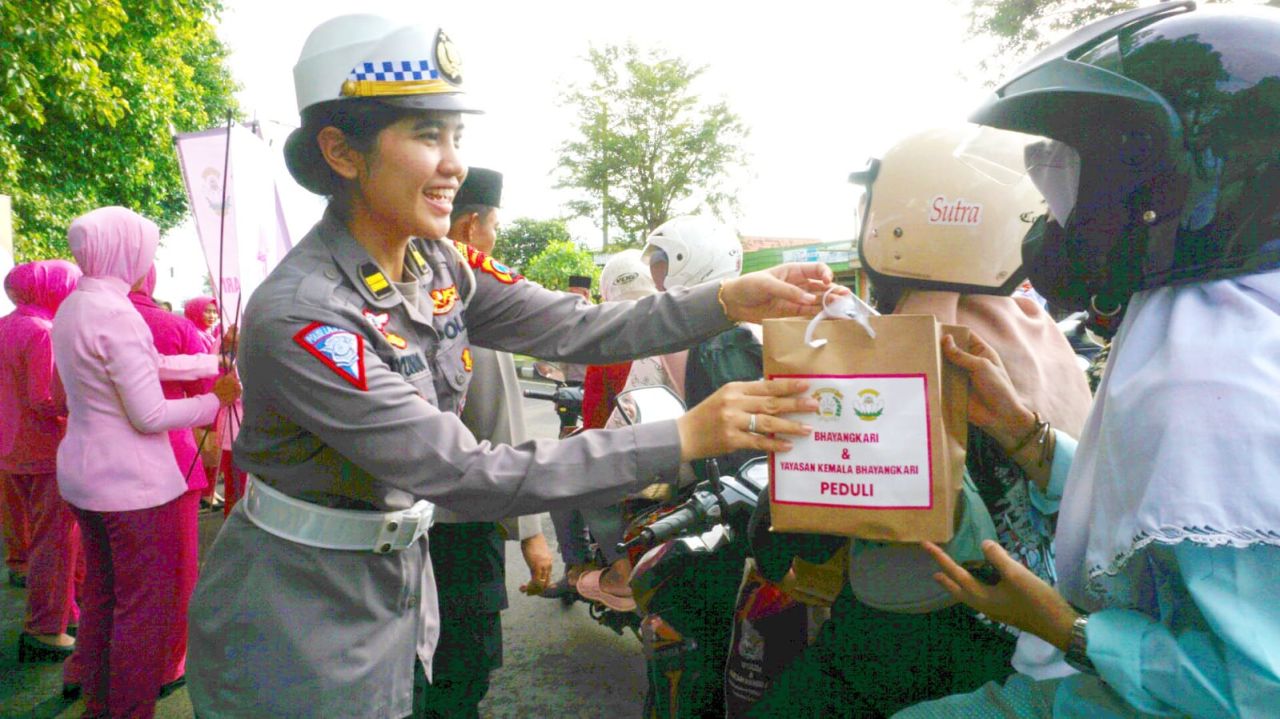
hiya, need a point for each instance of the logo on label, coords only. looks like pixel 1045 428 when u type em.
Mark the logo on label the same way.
pixel 379 321
pixel 958 212
pixel 486 264
pixel 830 403
pixel 869 405
pixel 338 349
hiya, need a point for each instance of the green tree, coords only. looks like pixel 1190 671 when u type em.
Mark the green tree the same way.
pixel 561 258
pixel 1021 27
pixel 91 92
pixel 647 146
pixel 520 240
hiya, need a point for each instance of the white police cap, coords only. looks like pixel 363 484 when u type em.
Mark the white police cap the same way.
pixel 368 56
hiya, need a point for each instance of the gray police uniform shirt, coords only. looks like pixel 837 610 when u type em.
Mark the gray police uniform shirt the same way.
pixel 494 410
pixel 351 399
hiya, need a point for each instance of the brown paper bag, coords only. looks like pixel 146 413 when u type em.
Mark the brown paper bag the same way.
pixel 886 459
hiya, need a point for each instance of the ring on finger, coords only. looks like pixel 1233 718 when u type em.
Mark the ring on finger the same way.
pixel 751 425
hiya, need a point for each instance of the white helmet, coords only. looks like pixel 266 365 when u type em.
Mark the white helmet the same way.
pixel 698 249
pixel 940 214
pixel 368 56
pixel 626 277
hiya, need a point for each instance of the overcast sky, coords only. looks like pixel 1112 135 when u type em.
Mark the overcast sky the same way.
pixel 822 85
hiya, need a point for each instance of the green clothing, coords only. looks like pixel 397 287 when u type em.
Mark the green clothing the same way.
pixel 870 663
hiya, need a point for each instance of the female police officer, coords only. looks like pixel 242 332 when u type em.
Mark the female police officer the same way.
pixel 355 357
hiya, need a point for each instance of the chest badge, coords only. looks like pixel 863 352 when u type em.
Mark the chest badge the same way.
pixel 340 350
pixel 466 359
pixel 375 281
pixel 379 321
pixel 444 300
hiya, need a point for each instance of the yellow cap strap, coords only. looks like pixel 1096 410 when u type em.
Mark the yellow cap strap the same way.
pixel 384 88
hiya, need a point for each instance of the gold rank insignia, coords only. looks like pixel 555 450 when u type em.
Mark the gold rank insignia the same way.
pixel 448 59
pixel 419 262
pixel 375 281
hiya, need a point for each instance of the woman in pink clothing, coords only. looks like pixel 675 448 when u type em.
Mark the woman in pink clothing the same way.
pixel 173 335
pixel 116 467
pixel 32 421
pixel 202 313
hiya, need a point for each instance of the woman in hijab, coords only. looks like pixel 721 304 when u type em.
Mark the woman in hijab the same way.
pixel 32 420
pixel 920 642
pixel 1168 550
pixel 116 466
pixel 173 335
pixel 202 312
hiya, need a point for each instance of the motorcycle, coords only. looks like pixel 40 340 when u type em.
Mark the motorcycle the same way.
pixel 687 558
pixel 567 398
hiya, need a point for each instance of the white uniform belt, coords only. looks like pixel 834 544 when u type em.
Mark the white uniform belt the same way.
pixel 316 526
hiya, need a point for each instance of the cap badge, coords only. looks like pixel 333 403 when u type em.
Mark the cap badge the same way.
pixel 448 59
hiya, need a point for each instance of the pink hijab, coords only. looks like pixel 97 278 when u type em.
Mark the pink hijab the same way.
pixel 37 288
pixel 115 245
pixel 194 310
pixel 1039 358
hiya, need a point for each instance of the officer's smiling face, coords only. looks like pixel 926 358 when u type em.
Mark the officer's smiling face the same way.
pixel 413 174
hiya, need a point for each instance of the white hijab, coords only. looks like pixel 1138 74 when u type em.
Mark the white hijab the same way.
pixel 1183 443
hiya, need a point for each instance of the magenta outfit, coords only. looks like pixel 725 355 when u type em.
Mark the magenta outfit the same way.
pixel 173 335
pixel 116 466
pixel 32 422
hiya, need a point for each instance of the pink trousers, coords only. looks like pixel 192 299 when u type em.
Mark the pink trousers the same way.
pixel 52 560
pixel 188 548
pixel 15 525
pixel 128 609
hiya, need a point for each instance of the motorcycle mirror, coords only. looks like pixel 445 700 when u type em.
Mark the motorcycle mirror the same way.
pixel 644 405
pixel 548 371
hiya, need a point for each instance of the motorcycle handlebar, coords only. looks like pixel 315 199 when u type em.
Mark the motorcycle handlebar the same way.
pixel 698 508
pixel 540 394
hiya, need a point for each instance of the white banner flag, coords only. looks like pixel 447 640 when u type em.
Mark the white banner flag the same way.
pixel 241 225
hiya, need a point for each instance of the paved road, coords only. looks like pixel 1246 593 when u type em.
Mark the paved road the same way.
pixel 559 663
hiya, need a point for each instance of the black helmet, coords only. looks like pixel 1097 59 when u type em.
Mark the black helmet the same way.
pixel 1162 163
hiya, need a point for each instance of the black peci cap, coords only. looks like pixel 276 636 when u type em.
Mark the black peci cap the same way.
pixel 482 187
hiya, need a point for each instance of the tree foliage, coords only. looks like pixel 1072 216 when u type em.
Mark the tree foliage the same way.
pixel 520 240
pixel 647 146
pixel 1021 27
pixel 561 258
pixel 91 92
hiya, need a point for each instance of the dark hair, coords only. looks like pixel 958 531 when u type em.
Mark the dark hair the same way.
pixel 359 120
pixel 464 210
pixel 885 296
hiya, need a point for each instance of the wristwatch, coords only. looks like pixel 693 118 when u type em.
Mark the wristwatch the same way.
pixel 1077 648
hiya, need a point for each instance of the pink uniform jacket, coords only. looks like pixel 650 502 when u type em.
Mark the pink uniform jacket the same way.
pixel 116 455
pixel 174 335
pixel 32 407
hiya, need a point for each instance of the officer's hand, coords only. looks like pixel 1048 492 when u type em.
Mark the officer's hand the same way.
pixel 785 291
pixel 227 389
pixel 722 422
pixel 537 556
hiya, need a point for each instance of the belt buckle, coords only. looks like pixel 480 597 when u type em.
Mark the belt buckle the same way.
pixel 399 530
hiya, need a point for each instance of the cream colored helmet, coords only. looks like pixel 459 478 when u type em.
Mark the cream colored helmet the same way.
pixel 626 277
pixel 368 56
pixel 940 213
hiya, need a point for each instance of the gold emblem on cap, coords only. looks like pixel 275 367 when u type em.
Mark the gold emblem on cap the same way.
pixel 448 59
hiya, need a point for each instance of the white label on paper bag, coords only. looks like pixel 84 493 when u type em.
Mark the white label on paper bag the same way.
pixel 869 447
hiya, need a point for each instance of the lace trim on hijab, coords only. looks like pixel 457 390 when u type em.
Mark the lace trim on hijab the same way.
pixel 1238 538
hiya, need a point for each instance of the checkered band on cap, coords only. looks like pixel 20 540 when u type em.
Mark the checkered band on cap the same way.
pixel 392 71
